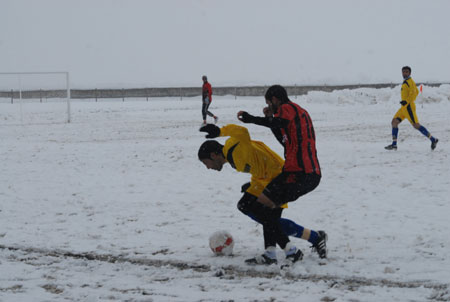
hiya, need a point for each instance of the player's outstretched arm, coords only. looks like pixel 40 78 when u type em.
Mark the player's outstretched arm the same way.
pixel 267 121
pixel 236 131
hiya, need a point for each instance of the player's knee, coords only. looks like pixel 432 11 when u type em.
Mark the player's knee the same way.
pixel 395 122
pixel 245 203
pixel 243 207
pixel 416 126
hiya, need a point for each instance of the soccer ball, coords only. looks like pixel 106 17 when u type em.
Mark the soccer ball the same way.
pixel 221 243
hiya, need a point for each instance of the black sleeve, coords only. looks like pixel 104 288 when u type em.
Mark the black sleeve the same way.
pixel 269 121
pixel 278 135
pixel 274 123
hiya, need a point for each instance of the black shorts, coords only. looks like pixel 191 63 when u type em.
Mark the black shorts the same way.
pixel 289 186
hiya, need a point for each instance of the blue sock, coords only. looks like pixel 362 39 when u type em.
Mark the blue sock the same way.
pixel 394 136
pixel 314 237
pixel 290 228
pixel 425 132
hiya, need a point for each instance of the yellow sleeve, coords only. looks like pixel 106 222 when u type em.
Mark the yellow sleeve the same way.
pixel 238 132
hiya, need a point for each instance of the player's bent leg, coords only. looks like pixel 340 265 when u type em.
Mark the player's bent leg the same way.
pixel 266 201
pixel 269 218
pixel 258 212
pixel 395 122
pixel 289 227
pixel 273 232
pixel 247 205
pixel 426 133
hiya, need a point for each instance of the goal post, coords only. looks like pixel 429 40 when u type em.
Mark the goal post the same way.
pixel 35 85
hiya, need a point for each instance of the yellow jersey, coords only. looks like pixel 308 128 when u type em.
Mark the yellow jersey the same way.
pixel 409 91
pixel 248 156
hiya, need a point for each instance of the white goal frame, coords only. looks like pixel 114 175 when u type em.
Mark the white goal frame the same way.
pixel 66 73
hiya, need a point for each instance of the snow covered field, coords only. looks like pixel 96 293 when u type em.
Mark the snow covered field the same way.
pixel 116 205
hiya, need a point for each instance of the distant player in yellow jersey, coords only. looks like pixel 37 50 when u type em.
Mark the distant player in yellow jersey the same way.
pixel 254 157
pixel 408 111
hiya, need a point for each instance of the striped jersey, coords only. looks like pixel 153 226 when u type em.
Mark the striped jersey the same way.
pixel 298 138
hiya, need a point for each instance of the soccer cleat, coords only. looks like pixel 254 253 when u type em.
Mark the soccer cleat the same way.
pixel 216 118
pixel 262 259
pixel 391 147
pixel 292 258
pixel 321 246
pixel 433 144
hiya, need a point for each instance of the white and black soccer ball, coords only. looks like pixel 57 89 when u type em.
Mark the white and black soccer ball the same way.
pixel 221 243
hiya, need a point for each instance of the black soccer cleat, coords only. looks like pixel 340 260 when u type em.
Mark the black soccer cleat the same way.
pixel 433 144
pixel 391 147
pixel 262 259
pixel 321 246
pixel 297 256
pixel 291 259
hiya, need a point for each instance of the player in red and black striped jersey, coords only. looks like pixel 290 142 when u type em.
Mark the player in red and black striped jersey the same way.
pixel 293 128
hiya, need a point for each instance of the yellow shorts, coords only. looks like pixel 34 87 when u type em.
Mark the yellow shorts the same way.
pixel 409 112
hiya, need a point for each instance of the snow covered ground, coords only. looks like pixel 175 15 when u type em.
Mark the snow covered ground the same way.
pixel 116 205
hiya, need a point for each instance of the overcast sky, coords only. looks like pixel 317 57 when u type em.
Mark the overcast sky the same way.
pixel 156 43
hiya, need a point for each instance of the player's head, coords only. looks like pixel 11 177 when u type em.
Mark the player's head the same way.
pixel 205 79
pixel 406 71
pixel 211 155
pixel 275 96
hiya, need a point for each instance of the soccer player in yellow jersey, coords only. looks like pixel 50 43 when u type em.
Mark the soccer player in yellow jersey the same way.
pixel 408 110
pixel 254 157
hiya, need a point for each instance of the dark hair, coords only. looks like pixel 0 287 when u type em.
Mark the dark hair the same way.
pixel 209 147
pixel 205 77
pixel 406 67
pixel 277 91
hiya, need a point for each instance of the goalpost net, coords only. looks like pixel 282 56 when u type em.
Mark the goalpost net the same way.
pixel 34 97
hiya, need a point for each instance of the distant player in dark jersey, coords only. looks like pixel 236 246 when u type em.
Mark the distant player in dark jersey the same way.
pixel 408 110
pixel 293 128
pixel 206 100
pixel 254 157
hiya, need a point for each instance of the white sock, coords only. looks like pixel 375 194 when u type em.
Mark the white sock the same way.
pixel 271 252
pixel 290 249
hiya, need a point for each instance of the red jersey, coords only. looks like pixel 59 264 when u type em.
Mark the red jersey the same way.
pixel 299 139
pixel 207 91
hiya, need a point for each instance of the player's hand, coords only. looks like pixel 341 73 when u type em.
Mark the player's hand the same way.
pixel 267 111
pixel 244 117
pixel 212 130
pixel 403 103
